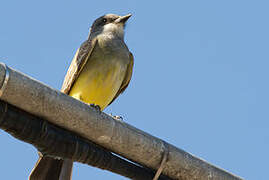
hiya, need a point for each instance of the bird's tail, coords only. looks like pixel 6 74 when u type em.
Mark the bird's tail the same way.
pixel 49 168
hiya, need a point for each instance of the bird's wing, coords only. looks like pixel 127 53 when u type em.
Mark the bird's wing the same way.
pixel 80 59
pixel 127 78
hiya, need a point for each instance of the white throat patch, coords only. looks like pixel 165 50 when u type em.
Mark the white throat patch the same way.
pixel 114 29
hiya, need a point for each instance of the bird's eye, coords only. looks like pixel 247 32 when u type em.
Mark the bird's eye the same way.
pixel 104 20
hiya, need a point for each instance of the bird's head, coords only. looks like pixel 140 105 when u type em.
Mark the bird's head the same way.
pixel 109 24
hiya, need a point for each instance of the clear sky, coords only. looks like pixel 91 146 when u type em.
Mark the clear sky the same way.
pixel 200 77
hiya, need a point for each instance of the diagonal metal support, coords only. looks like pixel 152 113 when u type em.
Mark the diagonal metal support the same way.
pixel 100 128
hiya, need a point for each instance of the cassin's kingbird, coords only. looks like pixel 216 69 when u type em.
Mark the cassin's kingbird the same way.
pixel 99 72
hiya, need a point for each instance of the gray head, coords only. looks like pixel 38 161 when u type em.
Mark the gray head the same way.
pixel 109 24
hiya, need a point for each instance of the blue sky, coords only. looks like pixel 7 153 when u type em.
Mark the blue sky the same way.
pixel 200 77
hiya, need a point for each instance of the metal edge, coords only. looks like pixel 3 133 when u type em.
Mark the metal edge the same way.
pixel 4 85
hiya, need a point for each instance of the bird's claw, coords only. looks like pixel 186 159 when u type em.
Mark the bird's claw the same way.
pixel 97 107
pixel 119 118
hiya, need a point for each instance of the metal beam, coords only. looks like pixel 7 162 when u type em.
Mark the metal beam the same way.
pixel 117 136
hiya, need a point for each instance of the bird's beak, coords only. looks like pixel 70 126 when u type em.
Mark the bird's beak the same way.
pixel 123 19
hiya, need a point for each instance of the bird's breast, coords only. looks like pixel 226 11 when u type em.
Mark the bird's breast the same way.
pixel 101 77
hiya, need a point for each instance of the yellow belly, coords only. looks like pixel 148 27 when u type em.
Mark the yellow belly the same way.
pixel 98 82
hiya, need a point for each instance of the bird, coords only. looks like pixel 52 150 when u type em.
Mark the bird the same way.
pixel 100 71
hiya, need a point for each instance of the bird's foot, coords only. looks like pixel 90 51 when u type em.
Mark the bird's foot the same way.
pixel 119 118
pixel 96 107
